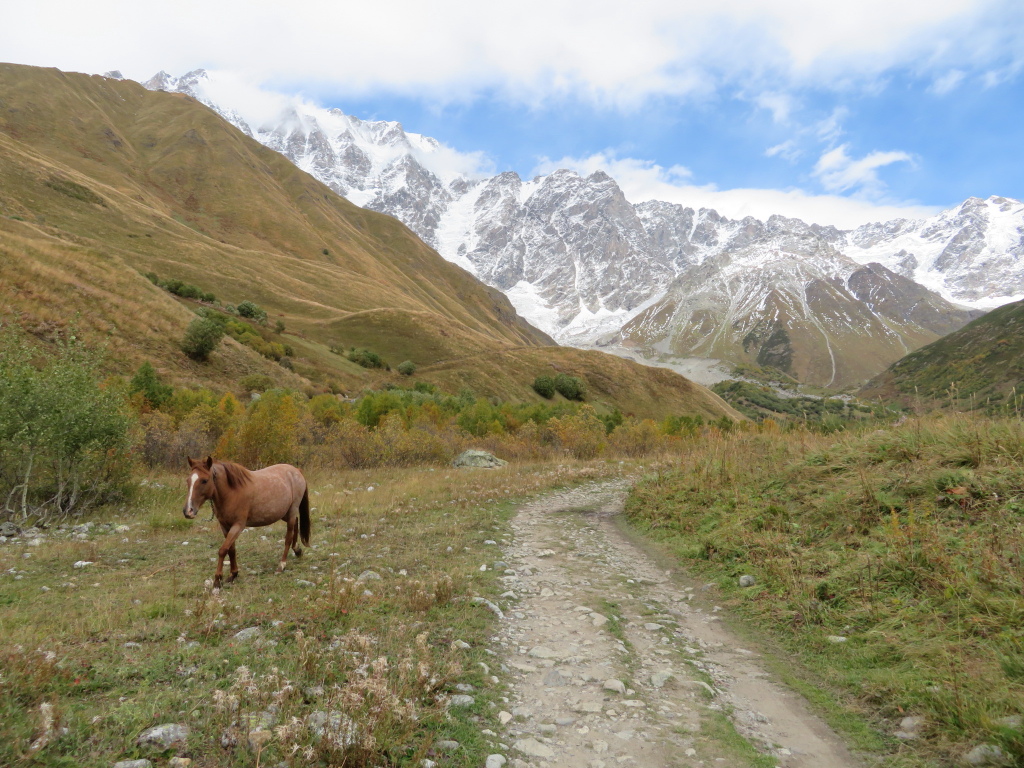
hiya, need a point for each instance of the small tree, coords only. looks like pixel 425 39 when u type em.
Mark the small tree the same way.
pixel 253 311
pixel 407 368
pixel 201 338
pixel 148 384
pixel 544 386
pixel 570 387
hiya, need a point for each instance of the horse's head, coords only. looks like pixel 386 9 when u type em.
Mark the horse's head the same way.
pixel 200 485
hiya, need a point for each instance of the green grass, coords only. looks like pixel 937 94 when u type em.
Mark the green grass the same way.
pixel 905 540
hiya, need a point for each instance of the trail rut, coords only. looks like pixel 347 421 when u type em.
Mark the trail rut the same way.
pixel 614 663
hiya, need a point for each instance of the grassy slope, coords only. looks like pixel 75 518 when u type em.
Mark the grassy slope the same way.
pixel 983 361
pixel 101 181
pixel 138 640
pixel 907 541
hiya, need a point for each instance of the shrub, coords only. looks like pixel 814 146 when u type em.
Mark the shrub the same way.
pixel 256 382
pixel 201 337
pixel 544 386
pixel 148 384
pixel 407 368
pixel 63 438
pixel 366 358
pixel 279 326
pixel 269 433
pixel 570 387
pixel 253 311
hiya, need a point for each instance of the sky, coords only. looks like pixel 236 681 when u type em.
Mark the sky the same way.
pixel 838 113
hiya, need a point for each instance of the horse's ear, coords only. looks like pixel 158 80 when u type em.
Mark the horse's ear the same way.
pixel 209 462
pixel 190 462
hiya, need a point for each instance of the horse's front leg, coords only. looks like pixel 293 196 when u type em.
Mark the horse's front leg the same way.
pixel 228 547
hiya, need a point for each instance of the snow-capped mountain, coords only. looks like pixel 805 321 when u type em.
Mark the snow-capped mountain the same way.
pixel 584 264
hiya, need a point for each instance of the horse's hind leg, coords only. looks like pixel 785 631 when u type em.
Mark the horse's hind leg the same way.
pixel 289 539
pixel 296 546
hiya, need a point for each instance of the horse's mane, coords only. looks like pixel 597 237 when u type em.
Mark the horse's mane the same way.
pixel 236 474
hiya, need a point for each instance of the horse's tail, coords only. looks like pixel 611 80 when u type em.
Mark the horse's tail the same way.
pixel 304 517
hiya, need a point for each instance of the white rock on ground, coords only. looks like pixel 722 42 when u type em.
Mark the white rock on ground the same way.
pixel 495 761
pixel 164 736
pixel 534 748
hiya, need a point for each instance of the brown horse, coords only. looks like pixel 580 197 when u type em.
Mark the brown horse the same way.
pixel 244 498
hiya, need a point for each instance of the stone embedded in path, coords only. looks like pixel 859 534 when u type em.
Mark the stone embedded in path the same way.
pixel 653 627
pixel 599 620
pixel 504 717
pixel 495 761
pixel 659 679
pixel 533 748
pixel 540 652
pixel 615 685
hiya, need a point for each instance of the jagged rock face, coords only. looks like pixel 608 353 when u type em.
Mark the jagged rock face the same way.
pixel 581 262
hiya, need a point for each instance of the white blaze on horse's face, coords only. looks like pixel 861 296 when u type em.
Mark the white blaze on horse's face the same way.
pixel 191 510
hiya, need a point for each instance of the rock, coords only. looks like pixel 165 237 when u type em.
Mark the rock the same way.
pixel 836 639
pixel 985 754
pixel 495 761
pixel 464 688
pixel 547 592
pixel 426 763
pixel 338 728
pixel 652 627
pixel 489 606
pixel 547 729
pixel 555 678
pixel 909 727
pixel 747 581
pixel 533 748
pixel 133 764
pixel 179 762
pixel 369 576
pixel 615 685
pixel 702 684
pixel 540 652
pixel 565 720
pixel 447 745
pixel 500 565
pixel 7 528
pixel 478 459
pixel 461 700
pixel 600 747
pixel 598 620
pixel 164 736
pixel 1013 722
pixel 504 717
pixel 658 679
pixel 304 583
pixel 82 564
pixel 247 634
pixel 462 645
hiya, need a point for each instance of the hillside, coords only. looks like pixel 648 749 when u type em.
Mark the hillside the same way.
pixel 102 181
pixel 981 365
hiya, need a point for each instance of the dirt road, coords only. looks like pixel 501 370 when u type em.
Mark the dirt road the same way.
pixel 615 664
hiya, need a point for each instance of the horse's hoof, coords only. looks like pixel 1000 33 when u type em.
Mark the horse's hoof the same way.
pixel 298 552
pixel 232 577
pixel 216 583
pixel 280 568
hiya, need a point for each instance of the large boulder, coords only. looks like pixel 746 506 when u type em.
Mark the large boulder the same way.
pixel 482 459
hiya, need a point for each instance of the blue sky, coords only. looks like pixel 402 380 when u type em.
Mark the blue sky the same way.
pixel 837 113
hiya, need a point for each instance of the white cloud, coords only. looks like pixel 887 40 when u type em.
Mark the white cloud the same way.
pixel 838 172
pixel 947 82
pixel 787 150
pixel 641 181
pixel 528 51
pixel 781 105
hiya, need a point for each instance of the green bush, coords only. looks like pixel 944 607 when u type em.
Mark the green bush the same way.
pixel 63 438
pixel 201 338
pixel 407 368
pixel 366 358
pixel 256 382
pixel 544 386
pixel 570 387
pixel 252 311
pixel 146 382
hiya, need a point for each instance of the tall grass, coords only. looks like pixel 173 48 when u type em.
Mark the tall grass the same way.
pixel 908 541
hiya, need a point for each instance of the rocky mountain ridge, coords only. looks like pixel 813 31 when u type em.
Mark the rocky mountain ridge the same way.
pixel 659 280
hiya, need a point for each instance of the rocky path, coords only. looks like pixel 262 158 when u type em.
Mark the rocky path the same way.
pixel 614 663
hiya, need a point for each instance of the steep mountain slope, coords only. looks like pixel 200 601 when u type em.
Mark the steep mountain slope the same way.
pixel 581 262
pixel 102 181
pixel 980 365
